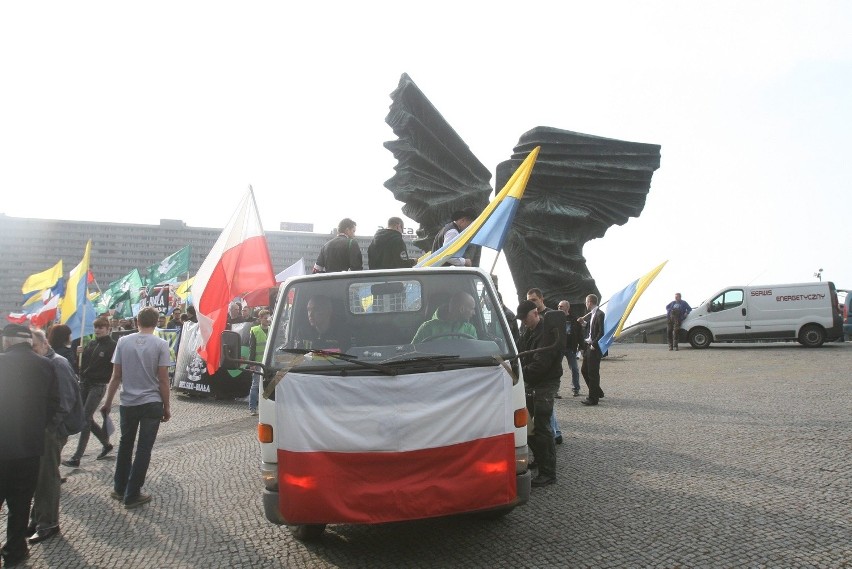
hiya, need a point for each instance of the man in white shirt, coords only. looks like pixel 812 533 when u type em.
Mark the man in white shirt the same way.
pixel 141 367
pixel 591 368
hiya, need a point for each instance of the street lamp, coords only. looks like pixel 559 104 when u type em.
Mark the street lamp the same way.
pixel 818 275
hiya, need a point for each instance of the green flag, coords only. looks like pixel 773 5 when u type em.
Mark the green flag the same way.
pixel 125 288
pixel 171 267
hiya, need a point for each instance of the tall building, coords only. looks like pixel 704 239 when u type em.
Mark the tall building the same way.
pixel 29 246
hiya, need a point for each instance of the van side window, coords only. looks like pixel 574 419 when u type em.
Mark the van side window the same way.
pixel 727 300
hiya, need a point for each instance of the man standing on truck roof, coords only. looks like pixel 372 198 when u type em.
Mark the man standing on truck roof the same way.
pixel 542 371
pixel 341 253
pixel 387 250
pixel 676 311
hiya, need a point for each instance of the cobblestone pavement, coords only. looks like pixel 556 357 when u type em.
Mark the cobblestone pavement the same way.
pixel 735 456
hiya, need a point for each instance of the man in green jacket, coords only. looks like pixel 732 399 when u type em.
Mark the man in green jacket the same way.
pixel 462 307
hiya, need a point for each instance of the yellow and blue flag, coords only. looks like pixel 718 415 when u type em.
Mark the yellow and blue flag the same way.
pixel 621 304
pixel 76 287
pixel 43 280
pixel 492 225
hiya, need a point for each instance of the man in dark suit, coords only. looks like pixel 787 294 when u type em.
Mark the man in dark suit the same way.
pixel 593 332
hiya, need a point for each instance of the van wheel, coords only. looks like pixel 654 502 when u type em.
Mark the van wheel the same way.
pixel 700 338
pixel 307 532
pixel 811 336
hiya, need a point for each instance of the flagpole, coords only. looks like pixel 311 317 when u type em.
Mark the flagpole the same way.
pixel 495 261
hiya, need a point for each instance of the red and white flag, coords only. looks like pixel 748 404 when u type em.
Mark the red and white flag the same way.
pixel 380 449
pixel 46 313
pixel 238 263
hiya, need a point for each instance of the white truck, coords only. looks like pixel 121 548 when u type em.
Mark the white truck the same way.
pixel 806 312
pixel 359 424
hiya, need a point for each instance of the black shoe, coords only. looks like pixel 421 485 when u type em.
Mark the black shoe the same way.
pixel 43 534
pixel 12 560
pixel 107 449
pixel 558 439
pixel 588 401
pixel 116 496
pixel 72 462
pixel 540 481
pixel 576 393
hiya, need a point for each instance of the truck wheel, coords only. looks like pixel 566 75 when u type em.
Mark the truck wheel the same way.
pixel 307 532
pixel 493 514
pixel 811 336
pixel 700 338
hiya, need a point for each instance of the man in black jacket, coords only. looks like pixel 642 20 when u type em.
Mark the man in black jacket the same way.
pixel 388 251
pixel 29 399
pixel 542 371
pixel 95 371
pixel 341 253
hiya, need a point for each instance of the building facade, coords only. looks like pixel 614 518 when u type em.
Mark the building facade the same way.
pixel 29 246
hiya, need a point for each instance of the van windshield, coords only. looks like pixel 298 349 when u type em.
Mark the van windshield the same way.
pixel 381 318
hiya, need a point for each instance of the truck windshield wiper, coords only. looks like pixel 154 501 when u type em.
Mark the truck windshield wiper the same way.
pixel 451 360
pixel 342 356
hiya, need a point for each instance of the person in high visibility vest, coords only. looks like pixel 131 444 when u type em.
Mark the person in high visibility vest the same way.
pixel 257 345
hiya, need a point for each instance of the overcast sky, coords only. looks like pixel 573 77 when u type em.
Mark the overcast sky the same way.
pixel 133 112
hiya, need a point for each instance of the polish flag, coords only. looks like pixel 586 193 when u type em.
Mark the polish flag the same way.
pixel 238 263
pixel 374 449
pixel 46 313
pixel 18 317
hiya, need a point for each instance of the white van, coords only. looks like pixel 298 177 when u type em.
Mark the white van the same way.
pixel 806 312
pixel 361 424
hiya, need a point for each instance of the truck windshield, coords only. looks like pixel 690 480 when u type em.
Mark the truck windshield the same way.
pixel 430 316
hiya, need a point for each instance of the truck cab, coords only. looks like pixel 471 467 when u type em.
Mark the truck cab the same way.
pixel 388 396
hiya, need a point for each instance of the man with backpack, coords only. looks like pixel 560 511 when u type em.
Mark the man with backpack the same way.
pixel 68 420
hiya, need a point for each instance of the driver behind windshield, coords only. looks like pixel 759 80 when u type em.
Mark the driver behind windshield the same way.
pixel 321 334
pixel 453 323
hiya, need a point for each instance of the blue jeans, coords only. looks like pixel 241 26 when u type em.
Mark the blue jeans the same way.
pixel 554 426
pixel 129 473
pixel 254 392
pixel 571 356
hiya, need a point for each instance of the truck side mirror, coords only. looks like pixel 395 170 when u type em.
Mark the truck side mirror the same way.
pixel 231 343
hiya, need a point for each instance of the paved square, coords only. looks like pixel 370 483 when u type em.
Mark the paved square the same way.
pixel 734 456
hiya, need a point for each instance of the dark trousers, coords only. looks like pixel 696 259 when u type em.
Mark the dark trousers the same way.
pixel 130 472
pixel 541 440
pixel 592 373
pixel 45 513
pixel 17 485
pixel 91 393
pixel 672 332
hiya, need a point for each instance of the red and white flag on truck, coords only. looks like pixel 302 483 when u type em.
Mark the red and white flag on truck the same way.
pixel 382 449
pixel 238 263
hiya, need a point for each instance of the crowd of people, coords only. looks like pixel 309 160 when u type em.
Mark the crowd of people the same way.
pixel 50 391
pixel 51 388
